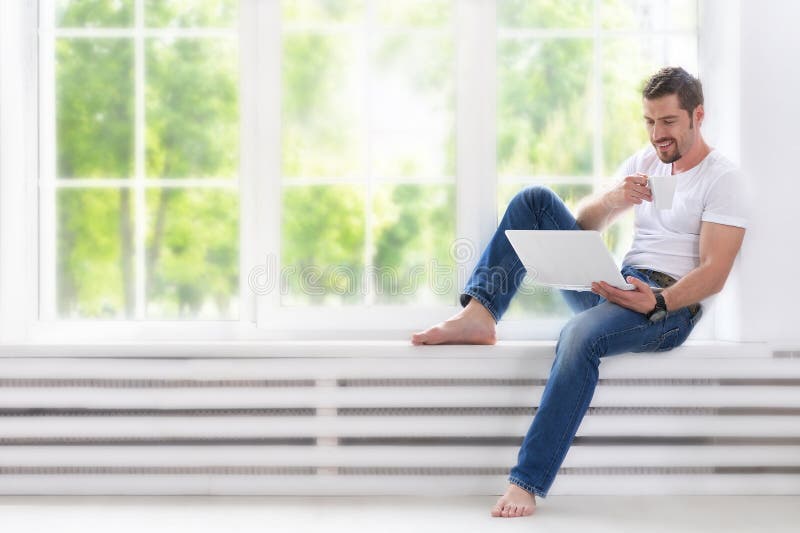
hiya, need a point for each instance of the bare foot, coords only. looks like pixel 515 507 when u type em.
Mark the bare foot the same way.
pixel 472 325
pixel 515 502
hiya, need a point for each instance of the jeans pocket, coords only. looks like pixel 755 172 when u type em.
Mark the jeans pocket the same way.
pixel 665 342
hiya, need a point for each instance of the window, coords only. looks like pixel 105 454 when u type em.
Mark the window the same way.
pixel 317 164
pixel 139 161
pixel 368 151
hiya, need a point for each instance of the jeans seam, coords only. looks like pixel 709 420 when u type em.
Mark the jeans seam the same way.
pixel 609 335
pixel 562 439
pixel 527 486
pixel 484 301
pixel 548 471
pixel 555 223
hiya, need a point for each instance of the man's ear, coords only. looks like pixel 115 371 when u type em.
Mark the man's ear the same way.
pixel 699 114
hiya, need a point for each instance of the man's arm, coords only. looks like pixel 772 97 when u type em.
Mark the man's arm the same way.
pixel 719 244
pixel 598 211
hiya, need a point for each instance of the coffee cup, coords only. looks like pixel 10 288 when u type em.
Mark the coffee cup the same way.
pixel 663 190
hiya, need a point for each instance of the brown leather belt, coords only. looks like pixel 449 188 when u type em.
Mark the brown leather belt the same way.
pixel 664 281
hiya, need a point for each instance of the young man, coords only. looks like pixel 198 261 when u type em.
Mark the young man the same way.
pixel 689 248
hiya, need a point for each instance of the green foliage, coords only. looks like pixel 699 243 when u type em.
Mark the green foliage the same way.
pixel 94 107
pixel 192 109
pixel 414 230
pixel 415 13
pixel 323 230
pixel 94 13
pixel 322 122
pixel 306 11
pixel 192 253
pixel 91 266
pixel 544 107
pixel 191 13
pixel 545 13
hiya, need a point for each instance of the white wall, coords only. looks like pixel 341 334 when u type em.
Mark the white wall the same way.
pixel 761 302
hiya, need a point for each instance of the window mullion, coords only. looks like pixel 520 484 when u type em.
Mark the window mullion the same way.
pixel 367 34
pixel 248 183
pixel 476 194
pixel 48 230
pixel 598 160
pixel 140 200
pixel 266 156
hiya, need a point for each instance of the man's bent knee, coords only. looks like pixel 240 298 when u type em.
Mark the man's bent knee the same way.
pixel 578 341
pixel 535 195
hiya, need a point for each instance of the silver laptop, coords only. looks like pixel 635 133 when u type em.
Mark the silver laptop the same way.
pixel 570 259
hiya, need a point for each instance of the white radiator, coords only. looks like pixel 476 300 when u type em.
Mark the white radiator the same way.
pixel 387 418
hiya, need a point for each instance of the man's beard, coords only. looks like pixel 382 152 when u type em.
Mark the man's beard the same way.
pixel 671 159
pixel 668 159
pixel 678 154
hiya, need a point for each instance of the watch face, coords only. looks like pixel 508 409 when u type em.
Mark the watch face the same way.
pixel 658 315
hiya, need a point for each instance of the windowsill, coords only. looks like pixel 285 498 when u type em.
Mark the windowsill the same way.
pixel 365 349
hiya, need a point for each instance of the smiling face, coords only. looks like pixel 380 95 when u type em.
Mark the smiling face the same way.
pixel 672 130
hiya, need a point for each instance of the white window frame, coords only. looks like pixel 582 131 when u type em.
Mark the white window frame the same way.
pixel 260 181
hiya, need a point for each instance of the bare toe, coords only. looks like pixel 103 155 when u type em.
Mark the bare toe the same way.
pixel 498 507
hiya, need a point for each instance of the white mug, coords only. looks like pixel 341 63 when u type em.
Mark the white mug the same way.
pixel 663 190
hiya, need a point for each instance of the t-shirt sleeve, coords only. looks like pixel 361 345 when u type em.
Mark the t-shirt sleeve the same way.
pixel 726 200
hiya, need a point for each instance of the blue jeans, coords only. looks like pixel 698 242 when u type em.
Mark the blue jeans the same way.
pixel 598 328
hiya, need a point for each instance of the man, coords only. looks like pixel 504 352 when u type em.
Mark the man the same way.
pixel 688 249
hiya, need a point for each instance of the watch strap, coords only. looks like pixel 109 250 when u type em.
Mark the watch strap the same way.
pixel 661 305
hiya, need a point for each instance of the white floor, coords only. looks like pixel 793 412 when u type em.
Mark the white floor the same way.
pixel 202 514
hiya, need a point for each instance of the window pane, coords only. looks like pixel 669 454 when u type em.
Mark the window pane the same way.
pixel 306 11
pixel 322 116
pixel 192 108
pixel 94 13
pixel 626 64
pixel 191 13
pixel 568 14
pixel 413 103
pixel 95 253
pixel 192 260
pixel 415 12
pixel 619 236
pixel 414 228
pixel 322 245
pixel 94 107
pixel 538 301
pixel 544 107
pixel 649 15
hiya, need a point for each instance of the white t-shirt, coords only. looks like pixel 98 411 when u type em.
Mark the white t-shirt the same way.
pixel 668 240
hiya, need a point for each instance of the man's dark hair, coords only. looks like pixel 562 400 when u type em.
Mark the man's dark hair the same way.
pixel 675 80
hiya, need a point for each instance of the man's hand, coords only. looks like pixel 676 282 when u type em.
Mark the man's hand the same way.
pixel 598 211
pixel 631 190
pixel 640 299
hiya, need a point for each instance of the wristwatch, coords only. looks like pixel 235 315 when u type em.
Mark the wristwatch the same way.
pixel 659 311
